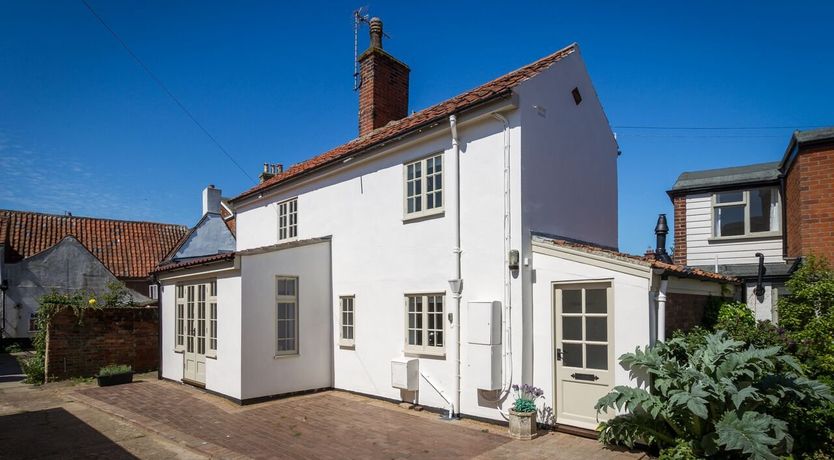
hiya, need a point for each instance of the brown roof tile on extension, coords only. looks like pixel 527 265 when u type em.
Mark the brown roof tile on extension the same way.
pixel 129 249
pixel 682 270
pixel 495 88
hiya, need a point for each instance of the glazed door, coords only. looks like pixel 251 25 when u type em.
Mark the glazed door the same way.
pixel 194 356
pixel 584 332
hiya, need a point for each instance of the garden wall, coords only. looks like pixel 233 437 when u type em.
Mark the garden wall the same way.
pixel 105 336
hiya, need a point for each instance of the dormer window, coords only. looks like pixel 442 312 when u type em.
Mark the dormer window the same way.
pixel 740 213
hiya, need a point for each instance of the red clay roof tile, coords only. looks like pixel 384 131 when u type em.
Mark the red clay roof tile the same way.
pixel 424 117
pixel 129 249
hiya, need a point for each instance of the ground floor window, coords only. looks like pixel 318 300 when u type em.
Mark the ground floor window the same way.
pixel 346 310
pixel 286 302
pixel 195 322
pixel 424 324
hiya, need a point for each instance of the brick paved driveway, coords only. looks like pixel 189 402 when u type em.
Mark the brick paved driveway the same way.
pixel 331 424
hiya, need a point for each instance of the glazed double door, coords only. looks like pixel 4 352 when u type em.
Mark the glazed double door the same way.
pixel 194 353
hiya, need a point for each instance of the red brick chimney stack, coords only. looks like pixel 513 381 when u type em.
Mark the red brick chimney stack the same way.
pixel 383 84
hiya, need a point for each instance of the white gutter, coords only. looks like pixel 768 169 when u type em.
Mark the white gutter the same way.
pixel 455 283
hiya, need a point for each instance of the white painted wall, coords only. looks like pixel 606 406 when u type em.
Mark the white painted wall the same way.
pixel 264 374
pixel 700 251
pixel 764 307
pixel 569 157
pixel 631 315
pixel 223 372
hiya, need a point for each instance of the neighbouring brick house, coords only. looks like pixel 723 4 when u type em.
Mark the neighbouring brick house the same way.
pixel 44 252
pixel 733 220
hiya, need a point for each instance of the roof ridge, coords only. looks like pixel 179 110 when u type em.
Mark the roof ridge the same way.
pixel 106 219
pixel 480 93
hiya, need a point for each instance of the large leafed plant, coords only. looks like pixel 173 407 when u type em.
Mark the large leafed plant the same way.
pixel 719 395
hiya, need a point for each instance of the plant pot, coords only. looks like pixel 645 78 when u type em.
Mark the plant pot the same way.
pixel 523 425
pixel 115 379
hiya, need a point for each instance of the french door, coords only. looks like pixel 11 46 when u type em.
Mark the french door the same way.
pixel 193 306
pixel 584 336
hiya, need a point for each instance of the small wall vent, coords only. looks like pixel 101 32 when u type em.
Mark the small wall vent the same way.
pixel 576 96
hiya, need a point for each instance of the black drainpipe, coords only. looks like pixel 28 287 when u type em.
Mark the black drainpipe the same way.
pixel 760 290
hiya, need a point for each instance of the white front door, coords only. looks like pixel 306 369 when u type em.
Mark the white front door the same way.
pixel 194 360
pixel 584 333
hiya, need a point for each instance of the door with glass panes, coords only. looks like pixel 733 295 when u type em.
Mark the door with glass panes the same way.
pixel 196 308
pixel 584 333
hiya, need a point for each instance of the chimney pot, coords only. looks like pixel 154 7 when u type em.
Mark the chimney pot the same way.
pixel 660 231
pixel 375 27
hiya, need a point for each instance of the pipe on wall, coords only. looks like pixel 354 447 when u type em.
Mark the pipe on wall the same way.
pixel 661 309
pixel 456 281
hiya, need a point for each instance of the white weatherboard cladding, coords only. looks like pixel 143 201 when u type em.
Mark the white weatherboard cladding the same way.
pixel 631 315
pixel 700 251
pixel 264 374
pixel 223 372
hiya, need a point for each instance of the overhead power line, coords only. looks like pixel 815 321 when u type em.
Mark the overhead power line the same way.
pixel 165 88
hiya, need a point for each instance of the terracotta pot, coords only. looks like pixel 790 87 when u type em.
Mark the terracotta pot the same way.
pixel 523 425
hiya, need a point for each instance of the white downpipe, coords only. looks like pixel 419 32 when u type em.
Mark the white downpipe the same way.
pixel 661 310
pixel 456 278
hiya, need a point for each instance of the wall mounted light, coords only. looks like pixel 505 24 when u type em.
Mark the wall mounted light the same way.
pixel 513 259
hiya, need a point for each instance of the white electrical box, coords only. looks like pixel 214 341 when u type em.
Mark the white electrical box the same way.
pixel 483 368
pixel 405 374
pixel 484 323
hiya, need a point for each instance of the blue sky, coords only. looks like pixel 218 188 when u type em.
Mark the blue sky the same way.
pixel 84 129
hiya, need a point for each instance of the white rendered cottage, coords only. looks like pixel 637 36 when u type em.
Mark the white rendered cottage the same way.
pixel 419 261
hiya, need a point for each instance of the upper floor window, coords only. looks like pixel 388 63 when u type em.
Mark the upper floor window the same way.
pixel 752 212
pixel 288 219
pixel 424 187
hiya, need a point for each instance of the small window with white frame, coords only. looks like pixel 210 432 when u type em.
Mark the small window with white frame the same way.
pixel 286 304
pixel 288 219
pixel 740 213
pixel 424 325
pixel 347 325
pixel 423 187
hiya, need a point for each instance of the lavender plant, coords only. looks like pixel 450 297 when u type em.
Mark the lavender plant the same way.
pixel 525 397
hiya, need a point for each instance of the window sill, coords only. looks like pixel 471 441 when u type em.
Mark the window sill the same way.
pixel 347 346
pixel 179 351
pixel 752 237
pixel 407 219
pixel 211 357
pixel 288 355
pixel 425 354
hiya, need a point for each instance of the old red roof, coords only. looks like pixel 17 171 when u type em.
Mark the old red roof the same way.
pixel 422 118
pixel 129 249
pixel 679 270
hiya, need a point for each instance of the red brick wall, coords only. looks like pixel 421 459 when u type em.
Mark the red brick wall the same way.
pixel 809 203
pixel 680 229
pixel 383 96
pixel 106 336
pixel 684 311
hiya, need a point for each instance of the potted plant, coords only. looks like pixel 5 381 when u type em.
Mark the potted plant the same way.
pixel 114 374
pixel 523 413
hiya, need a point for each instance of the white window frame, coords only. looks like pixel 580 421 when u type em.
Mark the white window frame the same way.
pixel 153 291
pixel 345 301
pixel 745 201
pixel 425 349
pixel 180 315
pixel 424 180
pixel 293 299
pixel 288 219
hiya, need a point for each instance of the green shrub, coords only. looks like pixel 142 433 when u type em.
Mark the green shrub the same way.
pixel 682 450
pixel 807 315
pixel 721 396
pixel 12 347
pixel 33 367
pixel 114 369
